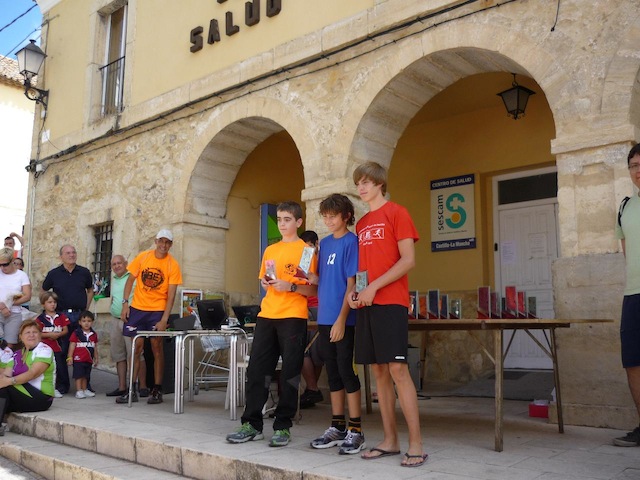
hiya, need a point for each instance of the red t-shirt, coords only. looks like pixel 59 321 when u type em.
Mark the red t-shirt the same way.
pixel 54 324
pixel 379 232
pixel 84 347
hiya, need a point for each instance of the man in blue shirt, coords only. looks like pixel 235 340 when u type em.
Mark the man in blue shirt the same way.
pixel 74 286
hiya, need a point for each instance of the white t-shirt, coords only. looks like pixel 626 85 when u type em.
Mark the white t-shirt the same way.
pixel 11 285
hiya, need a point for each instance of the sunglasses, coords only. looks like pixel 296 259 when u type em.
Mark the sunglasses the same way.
pixel 5 264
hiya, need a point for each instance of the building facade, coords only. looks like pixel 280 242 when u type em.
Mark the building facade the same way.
pixel 192 116
pixel 16 126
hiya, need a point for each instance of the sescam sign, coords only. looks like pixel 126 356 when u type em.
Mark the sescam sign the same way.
pixel 453 213
pixel 229 25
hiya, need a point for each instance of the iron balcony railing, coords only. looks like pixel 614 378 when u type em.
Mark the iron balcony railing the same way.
pixel 112 86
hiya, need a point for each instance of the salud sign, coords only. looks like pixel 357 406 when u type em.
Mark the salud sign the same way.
pixel 452 213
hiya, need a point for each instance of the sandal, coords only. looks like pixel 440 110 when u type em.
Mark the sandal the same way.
pixel 380 451
pixel 423 459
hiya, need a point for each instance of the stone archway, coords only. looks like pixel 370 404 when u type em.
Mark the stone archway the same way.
pixel 224 140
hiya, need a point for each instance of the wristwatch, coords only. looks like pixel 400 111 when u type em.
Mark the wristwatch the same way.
pixel 294 287
pixel 125 301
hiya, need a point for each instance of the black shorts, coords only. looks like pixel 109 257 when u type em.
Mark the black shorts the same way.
pixel 81 370
pixel 382 334
pixel 338 357
pixel 630 331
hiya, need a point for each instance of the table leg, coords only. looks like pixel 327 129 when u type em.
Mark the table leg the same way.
pixel 499 370
pixel 131 379
pixel 190 377
pixel 233 377
pixel 178 383
pixel 242 373
pixel 556 379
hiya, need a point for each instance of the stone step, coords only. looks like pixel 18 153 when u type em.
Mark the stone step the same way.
pixel 124 449
pixel 54 461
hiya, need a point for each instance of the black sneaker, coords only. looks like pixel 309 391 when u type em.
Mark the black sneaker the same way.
pixel 631 439
pixel 116 393
pixel 155 397
pixel 143 392
pixel 332 437
pixel 125 398
pixel 353 443
pixel 310 397
pixel 246 433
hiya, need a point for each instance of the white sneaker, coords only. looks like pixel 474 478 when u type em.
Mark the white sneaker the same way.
pixel 57 394
pixel 89 394
pixel 80 394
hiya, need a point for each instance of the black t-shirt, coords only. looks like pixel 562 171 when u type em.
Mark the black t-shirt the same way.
pixel 71 287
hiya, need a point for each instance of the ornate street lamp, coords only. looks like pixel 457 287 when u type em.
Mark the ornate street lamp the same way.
pixel 30 60
pixel 515 99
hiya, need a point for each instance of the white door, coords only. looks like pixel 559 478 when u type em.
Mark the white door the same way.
pixel 528 246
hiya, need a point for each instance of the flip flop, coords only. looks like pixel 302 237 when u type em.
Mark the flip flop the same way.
pixel 423 458
pixel 383 453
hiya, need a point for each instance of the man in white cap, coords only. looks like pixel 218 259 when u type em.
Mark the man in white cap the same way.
pixel 158 276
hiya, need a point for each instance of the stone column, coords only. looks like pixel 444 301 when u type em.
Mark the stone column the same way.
pixel 588 281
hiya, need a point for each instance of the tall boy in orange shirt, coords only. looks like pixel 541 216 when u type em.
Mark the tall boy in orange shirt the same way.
pixel 281 330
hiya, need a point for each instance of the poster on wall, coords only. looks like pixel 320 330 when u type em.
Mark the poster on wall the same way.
pixel 188 301
pixel 453 213
pixel 269 233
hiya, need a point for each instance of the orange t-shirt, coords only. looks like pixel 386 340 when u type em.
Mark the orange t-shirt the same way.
pixel 153 275
pixel 286 256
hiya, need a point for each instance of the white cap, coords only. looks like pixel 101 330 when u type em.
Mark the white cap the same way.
pixel 165 233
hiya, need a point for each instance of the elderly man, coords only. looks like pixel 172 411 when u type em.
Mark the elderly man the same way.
pixel 157 276
pixel 74 286
pixel 121 345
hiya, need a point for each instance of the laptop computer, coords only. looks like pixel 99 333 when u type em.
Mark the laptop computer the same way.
pixel 246 313
pixel 212 313
pixel 184 323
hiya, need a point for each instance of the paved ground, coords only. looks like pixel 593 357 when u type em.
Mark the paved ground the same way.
pixel 11 471
pixel 458 435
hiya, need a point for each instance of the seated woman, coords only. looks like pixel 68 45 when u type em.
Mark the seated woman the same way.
pixel 26 384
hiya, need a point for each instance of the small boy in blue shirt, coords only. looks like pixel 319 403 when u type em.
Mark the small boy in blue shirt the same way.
pixel 337 268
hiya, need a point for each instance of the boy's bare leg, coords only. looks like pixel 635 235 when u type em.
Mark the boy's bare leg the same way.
pixel 353 403
pixel 409 405
pixel 136 359
pixel 337 403
pixel 158 359
pixel 633 377
pixel 121 369
pixel 387 404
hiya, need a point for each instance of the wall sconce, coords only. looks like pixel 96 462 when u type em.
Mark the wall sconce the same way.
pixel 515 99
pixel 30 60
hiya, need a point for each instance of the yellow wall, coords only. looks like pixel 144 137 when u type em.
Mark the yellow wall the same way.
pixel 158 48
pixel 164 61
pixel 484 142
pixel 272 173
pixel 68 56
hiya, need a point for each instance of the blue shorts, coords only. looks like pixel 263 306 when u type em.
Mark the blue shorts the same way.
pixel 140 320
pixel 382 334
pixel 630 331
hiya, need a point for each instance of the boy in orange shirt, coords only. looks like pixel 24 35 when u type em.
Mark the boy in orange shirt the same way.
pixel 281 330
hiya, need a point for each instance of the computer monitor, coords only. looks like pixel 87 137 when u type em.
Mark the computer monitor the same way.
pixel 246 313
pixel 212 313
